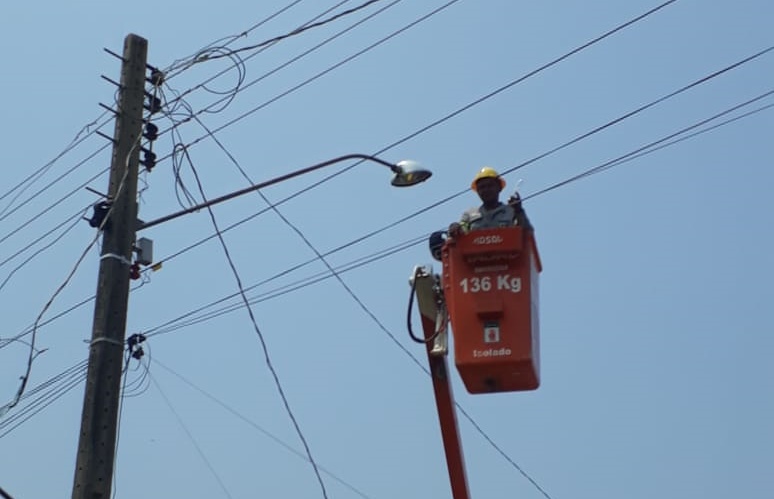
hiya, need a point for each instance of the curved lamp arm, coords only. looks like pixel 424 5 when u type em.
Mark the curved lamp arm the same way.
pixel 407 173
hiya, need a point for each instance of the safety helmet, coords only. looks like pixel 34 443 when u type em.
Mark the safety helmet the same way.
pixel 487 172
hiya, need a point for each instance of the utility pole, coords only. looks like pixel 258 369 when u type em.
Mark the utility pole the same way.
pixel 97 441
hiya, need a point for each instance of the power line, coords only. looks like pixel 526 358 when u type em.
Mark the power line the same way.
pixel 659 144
pixel 258 332
pixel 295 32
pixel 53 205
pixel 223 71
pixel 32 355
pixel 444 118
pixel 53 182
pixel 259 428
pixel 322 73
pixel 654 146
pixel 187 62
pixel 50 390
pixel 180 422
pixel 74 221
pixel 82 135
pixel 5 342
pixel 637 153
pixel 277 68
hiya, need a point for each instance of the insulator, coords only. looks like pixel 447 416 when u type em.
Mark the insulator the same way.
pixel 100 212
pixel 151 132
pixel 154 104
pixel 149 159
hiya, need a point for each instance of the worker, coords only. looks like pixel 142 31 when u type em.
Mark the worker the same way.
pixel 491 214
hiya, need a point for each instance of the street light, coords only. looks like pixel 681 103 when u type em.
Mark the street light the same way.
pixel 407 173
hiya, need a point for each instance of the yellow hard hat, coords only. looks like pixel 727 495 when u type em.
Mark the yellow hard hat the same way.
pixel 487 172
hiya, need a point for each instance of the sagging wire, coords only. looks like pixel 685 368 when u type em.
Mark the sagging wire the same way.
pixel 78 189
pixel 177 323
pixel 208 55
pixel 258 332
pixel 222 72
pixel 193 441
pixel 28 330
pixel 326 71
pixel 257 427
pixel 180 65
pixel 25 184
pixel 32 355
pixel 76 219
pixel 50 391
pixel 294 59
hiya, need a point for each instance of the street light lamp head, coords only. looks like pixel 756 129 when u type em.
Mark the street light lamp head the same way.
pixel 408 173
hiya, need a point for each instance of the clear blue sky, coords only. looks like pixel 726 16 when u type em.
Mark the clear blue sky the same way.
pixel 656 321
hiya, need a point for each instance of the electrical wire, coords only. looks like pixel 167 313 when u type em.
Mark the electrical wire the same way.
pixel 186 62
pixel 639 152
pixel 223 71
pixel 118 423
pixel 75 220
pixel 31 357
pixel 322 73
pixel 259 428
pixel 295 32
pixel 178 323
pixel 53 182
pixel 258 332
pixel 33 177
pixel 193 441
pixel 446 117
pixel 382 229
pixel 659 144
pixel 28 222
pixel 43 395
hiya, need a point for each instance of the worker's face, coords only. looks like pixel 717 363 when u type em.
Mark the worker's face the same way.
pixel 488 189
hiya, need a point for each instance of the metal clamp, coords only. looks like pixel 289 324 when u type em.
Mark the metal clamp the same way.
pixel 120 258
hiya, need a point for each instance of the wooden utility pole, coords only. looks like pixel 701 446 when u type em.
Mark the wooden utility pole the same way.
pixel 97 441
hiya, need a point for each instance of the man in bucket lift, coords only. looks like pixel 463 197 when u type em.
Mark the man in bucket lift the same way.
pixel 491 214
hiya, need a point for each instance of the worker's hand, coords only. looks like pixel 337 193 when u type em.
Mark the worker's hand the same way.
pixel 455 229
pixel 515 201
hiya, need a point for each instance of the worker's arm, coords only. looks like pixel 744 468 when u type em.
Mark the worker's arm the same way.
pixel 520 216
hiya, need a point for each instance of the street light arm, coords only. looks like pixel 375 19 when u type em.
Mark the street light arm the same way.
pixel 366 157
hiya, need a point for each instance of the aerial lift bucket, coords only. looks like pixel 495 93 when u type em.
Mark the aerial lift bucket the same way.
pixel 490 283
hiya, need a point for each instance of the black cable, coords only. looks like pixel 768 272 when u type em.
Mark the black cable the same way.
pixel 256 426
pixel 75 220
pixel 410 328
pixel 34 176
pixel 180 422
pixel 639 151
pixel 659 144
pixel 53 182
pixel 322 73
pixel 346 245
pixel 258 332
pixel 466 107
pixel 169 71
pixel 298 31
pixel 223 71
pixel 118 423
pixel 28 222
pixel 176 323
pixel 71 380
